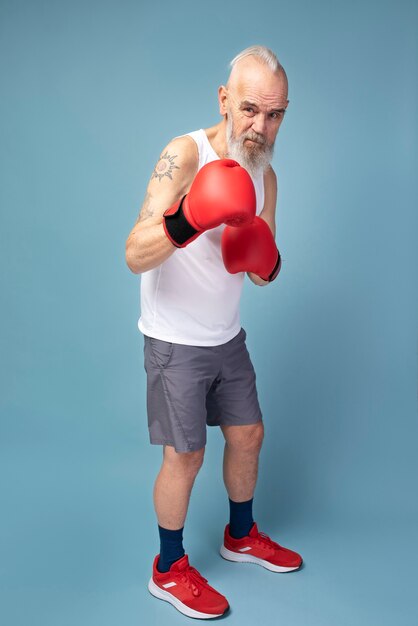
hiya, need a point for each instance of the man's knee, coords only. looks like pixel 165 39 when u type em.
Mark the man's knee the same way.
pixel 187 463
pixel 249 437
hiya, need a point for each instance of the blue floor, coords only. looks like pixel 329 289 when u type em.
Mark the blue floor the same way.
pixel 78 537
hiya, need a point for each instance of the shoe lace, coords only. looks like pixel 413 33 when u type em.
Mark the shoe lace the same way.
pixel 193 580
pixel 265 540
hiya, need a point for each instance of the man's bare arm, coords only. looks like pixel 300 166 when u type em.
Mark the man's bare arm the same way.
pixel 268 214
pixel 147 245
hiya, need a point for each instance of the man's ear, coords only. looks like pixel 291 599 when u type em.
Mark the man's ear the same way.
pixel 222 99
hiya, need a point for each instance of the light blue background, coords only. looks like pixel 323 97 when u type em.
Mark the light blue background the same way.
pixel 91 92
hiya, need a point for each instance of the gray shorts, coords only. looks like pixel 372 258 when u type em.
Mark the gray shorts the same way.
pixel 189 387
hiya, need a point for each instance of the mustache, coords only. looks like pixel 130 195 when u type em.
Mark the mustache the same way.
pixel 255 137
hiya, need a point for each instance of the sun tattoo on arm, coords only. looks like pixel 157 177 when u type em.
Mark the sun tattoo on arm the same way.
pixel 165 167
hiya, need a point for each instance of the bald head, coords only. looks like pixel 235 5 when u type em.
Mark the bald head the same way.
pixel 255 56
pixel 252 75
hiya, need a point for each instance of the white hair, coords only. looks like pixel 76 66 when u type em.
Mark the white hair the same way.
pixel 266 55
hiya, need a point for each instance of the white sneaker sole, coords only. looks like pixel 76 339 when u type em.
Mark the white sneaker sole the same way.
pixel 156 591
pixel 247 558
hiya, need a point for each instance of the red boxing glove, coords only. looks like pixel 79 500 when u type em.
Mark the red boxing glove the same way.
pixel 222 192
pixel 251 248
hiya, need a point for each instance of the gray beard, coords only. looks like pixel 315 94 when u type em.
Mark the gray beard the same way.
pixel 255 160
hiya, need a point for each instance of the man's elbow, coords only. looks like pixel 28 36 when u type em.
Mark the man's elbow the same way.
pixel 257 280
pixel 135 269
pixel 131 259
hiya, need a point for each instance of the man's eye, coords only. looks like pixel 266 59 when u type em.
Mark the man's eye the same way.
pixel 249 109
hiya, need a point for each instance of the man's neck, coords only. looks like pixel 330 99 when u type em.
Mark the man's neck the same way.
pixel 217 138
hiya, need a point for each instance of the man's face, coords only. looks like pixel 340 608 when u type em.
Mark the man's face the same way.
pixel 256 101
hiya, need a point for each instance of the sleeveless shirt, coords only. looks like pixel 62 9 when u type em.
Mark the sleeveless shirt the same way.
pixel 190 298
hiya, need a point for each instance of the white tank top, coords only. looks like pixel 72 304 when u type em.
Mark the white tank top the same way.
pixel 190 298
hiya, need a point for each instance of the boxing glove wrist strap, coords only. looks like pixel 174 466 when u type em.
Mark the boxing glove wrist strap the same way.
pixel 176 226
pixel 276 268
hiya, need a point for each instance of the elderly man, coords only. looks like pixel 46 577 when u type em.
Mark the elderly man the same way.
pixel 208 218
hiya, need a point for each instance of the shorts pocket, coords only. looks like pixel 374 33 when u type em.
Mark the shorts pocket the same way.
pixel 161 351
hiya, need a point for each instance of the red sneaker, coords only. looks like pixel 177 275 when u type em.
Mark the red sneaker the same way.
pixel 259 548
pixel 187 590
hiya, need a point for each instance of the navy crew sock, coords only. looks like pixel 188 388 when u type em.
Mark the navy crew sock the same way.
pixel 241 518
pixel 171 547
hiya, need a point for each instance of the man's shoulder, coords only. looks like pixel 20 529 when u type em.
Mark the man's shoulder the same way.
pixel 270 180
pixel 187 139
pixel 270 175
pixel 184 147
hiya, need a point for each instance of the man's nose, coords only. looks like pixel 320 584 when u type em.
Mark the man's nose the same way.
pixel 259 123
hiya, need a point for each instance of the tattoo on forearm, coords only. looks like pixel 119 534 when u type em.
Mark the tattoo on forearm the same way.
pixel 165 167
pixel 147 210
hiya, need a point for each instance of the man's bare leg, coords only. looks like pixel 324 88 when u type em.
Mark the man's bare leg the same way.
pixel 240 463
pixel 174 484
